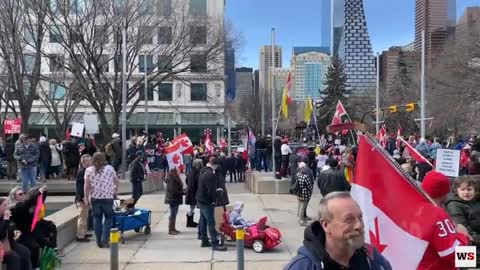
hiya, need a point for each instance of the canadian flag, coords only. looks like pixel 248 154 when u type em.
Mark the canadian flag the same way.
pixel 339 112
pixel 209 145
pixel 415 154
pixel 186 146
pixel 174 156
pixel 382 136
pixel 400 221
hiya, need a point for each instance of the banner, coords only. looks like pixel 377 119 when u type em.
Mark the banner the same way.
pixel 91 123
pixel 12 126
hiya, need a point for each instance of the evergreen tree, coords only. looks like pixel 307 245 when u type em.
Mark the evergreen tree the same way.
pixel 336 90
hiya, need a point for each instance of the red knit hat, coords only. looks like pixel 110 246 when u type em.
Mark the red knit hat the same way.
pixel 436 184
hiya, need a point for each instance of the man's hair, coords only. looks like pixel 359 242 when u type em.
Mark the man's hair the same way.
pixel 323 212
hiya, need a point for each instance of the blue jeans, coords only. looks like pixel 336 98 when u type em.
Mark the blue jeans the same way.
pixel 29 177
pixel 207 219
pixel 262 160
pixel 173 211
pixel 102 208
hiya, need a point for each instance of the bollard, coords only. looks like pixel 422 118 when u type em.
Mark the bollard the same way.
pixel 114 237
pixel 240 235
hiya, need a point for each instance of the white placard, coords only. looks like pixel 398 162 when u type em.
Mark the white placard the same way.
pixel 448 162
pixel 91 123
pixel 338 142
pixel 77 130
pixel 240 149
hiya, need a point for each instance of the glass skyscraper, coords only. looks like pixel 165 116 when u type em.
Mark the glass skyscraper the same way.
pixel 326 23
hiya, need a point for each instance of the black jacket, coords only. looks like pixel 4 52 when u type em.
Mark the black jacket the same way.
pixel 277 146
pixel 71 154
pixel 9 151
pixel 45 153
pixel 466 213
pixel 22 213
pixel 192 186
pixel 80 185
pixel 137 171
pixel 174 193
pixel 313 256
pixel 207 187
pixel 332 180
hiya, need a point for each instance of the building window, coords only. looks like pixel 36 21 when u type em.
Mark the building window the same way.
pixel 198 92
pixel 165 35
pixel 198 63
pixel 100 34
pixel 146 34
pixel 164 63
pixel 56 63
pixel 198 7
pixel 164 7
pixel 55 34
pixel 141 63
pixel 29 62
pixel 150 90
pixel 147 7
pixel 77 6
pixel 198 35
pixel 103 63
pixel 30 34
pixel 165 92
pixel 56 91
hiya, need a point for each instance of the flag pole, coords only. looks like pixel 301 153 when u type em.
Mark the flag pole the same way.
pixel 422 89
pixel 349 119
pixel 272 88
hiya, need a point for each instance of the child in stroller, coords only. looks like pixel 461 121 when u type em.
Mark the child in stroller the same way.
pixel 236 218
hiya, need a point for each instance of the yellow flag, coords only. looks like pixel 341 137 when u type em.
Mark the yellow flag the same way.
pixel 286 100
pixel 308 110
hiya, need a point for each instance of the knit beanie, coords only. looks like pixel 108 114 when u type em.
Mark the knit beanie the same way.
pixel 436 184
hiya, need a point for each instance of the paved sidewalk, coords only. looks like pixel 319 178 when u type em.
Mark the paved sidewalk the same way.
pixel 161 251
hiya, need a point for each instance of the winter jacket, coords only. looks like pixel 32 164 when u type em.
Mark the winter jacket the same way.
pixel 137 171
pixel 277 146
pixel 332 180
pixel 305 184
pixel 466 213
pixel 9 151
pixel 117 147
pixel 45 154
pixel 71 154
pixel 192 186
pixel 222 200
pixel 174 194
pixel 313 256
pixel 27 155
pixel 207 186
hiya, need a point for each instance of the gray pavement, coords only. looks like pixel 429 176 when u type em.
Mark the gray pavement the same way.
pixel 159 250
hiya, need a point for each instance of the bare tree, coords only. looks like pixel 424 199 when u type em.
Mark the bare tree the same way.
pixel 22 30
pixel 167 36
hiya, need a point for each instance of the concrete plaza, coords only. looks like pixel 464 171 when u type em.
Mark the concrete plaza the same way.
pixel 161 251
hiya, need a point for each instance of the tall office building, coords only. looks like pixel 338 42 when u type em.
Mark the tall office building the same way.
pixel 326 23
pixel 438 19
pixel 244 82
pixel 309 68
pixel 256 82
pixel 351 42
pixel 230 72
pixel 266 63
pixel 468 27
pixel 389 66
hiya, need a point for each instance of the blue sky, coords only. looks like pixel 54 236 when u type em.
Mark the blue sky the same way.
pixel 297 23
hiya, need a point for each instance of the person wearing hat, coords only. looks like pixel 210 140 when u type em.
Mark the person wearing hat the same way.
pixel 137 176
pixel 444 234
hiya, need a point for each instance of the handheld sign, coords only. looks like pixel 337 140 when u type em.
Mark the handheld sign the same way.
pixel 448 162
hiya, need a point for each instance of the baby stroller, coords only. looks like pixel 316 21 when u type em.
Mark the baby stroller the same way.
pixel 260 236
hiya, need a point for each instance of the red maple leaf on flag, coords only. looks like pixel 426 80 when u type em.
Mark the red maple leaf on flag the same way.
pixel 375 238
pixel 184 143
pixel 176 159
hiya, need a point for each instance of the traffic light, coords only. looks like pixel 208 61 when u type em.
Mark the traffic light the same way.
pixel 392 109
pixel 410 107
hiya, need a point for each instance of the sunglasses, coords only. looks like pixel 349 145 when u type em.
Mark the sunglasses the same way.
pixel 21 194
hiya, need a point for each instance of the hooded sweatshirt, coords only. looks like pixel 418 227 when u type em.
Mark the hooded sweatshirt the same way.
pixel 313 256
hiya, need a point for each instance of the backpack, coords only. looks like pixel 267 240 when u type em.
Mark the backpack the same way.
pixel 109 150
pixel 294 188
